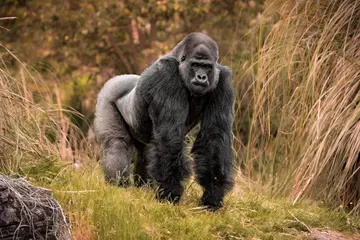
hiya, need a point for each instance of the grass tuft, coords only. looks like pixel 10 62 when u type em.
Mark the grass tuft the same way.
pixel 36 136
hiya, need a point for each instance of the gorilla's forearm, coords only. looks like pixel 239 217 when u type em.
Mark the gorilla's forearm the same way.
pixel 213 165
pixel 212 148
pixel 167 164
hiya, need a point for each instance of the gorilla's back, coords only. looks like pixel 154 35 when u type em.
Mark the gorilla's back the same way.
pixel 117 87
pixel 126 106
pixel 106 117
pixel 133 107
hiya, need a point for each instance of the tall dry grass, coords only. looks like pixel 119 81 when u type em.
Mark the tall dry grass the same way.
pixel 35 132
pixel 304 131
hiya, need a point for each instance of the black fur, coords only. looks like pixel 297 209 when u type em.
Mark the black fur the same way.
pixel 212 148
pixel 151 114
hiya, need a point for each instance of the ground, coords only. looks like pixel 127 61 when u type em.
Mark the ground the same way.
pixel 100 211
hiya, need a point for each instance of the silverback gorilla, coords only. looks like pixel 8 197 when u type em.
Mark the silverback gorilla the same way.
pixel 150 115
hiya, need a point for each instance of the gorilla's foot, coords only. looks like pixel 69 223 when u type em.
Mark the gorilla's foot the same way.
pixel 141 181
pixel 119 181
pixel 171 193
pixel 212 199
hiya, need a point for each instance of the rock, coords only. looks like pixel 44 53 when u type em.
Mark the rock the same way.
pixel 29 212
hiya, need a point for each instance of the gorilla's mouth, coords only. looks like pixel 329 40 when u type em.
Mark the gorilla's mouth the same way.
pixel 198 88
pixel 200 84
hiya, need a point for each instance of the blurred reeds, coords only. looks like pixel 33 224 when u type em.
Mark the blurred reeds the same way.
pixel 36 134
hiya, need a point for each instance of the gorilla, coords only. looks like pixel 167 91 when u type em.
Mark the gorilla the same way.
pixel 144 119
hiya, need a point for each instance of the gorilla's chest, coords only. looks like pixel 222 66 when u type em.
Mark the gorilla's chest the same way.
pixel 196 107
pixel 136 114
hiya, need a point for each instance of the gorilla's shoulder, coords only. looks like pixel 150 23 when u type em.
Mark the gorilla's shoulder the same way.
pixel 168 65
pixel 164 66
pixel 168 60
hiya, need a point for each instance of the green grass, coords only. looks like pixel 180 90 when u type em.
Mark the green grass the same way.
pixel 100 211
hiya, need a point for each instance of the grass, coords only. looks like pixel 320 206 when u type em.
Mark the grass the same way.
pixel 99 211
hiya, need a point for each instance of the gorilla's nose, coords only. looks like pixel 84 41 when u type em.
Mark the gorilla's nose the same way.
pixel 201 78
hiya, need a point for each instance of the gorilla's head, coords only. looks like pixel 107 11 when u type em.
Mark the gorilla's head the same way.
pixel 198 55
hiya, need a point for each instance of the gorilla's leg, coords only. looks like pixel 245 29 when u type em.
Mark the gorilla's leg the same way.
pixel 141 175
pixel 117 155
pixel 112 132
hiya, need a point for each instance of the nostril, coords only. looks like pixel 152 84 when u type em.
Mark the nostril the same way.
pixel 201 78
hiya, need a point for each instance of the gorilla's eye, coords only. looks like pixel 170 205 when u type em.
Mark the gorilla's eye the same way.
pixel 195 65
pixel 183 58
pixel 208 66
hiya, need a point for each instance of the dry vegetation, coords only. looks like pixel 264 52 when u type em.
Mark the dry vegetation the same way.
pixel 35 131
pixel 305 125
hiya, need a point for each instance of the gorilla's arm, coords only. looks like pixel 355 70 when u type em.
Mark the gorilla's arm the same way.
pixel 168 111
pixel 212 148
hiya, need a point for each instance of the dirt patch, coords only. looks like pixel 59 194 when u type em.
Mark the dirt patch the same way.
pixel 319 234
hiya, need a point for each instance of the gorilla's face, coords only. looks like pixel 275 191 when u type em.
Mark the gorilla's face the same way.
pixel 198 70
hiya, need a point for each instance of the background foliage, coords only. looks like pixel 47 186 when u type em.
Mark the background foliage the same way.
pixel 81 44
